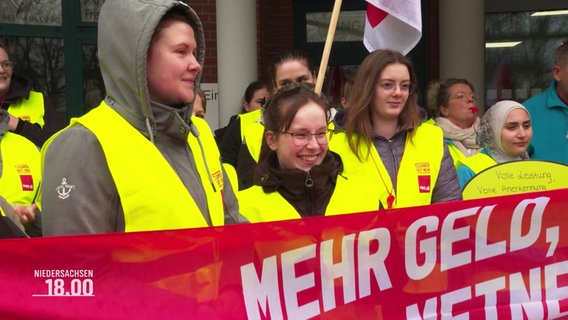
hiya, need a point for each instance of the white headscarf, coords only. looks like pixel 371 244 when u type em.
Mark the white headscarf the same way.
pixel 489 134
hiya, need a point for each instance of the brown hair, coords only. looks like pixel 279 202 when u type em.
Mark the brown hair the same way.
pixel 346 88
pixel 438 94
pixel 288 55
pixel 174 14
pixel 358 126
pixel 201 95
pixel 251 89
pixel 283 106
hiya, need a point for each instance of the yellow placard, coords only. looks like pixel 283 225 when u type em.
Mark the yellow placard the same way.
pixel 517 177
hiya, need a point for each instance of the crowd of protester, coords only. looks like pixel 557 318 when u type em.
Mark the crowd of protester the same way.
pixel 145 159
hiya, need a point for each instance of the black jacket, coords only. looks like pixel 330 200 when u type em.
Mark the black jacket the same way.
pixel 20 88
pixel 308 192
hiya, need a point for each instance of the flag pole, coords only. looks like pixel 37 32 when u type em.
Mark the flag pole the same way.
pixel 327 46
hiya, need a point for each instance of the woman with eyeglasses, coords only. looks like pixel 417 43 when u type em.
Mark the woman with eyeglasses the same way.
pixel 296 175
pixel 453 102
pixel 290 66
pixel 32 115
pixel 383 137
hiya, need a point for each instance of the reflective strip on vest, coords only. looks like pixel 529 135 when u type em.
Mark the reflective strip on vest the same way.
pixel 248 118
pixel 254 135
pixel 153 197
pixel 417 172
pixel 478 162
pixel 31 110
pixel 21 169
pixel 457 156
pixel 349 196
pixel 209 167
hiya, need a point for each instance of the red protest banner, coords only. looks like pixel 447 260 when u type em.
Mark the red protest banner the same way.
pixel 503 257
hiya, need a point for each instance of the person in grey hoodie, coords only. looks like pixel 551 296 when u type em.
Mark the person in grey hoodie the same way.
pixel 139 161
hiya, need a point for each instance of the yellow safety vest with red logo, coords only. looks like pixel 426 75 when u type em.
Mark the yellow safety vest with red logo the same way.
pixel 349 196
pixel 31 109
pixel 21 169
pixel 153 197
pixel 417 173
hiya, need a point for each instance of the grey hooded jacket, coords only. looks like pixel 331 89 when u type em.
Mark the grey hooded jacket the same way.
pixel 74 160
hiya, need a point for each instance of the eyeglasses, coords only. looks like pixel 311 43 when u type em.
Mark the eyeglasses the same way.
pixel 390 87
pixel 464 96
pixel 7 65
pixel 302 138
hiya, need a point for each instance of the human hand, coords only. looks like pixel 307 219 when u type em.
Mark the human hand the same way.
pixel 26 213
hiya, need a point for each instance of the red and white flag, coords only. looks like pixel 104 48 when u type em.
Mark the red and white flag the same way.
pixel 392 24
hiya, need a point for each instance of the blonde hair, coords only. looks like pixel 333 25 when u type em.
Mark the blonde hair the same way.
pixel 438 94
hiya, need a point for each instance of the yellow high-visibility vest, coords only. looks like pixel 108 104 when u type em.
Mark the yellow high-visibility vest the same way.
pixel 349 196
pixel 152 196
pixel 31 109
pixel 417 173
pixel 21 169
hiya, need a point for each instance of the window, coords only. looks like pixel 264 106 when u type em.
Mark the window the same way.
pixel 43 13
pixel 520 50
pixel 59 58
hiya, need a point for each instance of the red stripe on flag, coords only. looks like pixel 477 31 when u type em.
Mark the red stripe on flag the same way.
pixel 375 15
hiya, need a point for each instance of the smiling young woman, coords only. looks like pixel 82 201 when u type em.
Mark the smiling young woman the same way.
pixel 289 66
pixel 296 172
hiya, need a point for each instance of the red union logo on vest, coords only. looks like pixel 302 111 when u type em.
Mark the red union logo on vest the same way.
pixel 27 182
pixel 424 184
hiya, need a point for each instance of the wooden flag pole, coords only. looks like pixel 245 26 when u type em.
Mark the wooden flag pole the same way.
pixel 327 46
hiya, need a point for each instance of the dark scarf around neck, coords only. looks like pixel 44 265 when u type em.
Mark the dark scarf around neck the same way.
pixel 308 192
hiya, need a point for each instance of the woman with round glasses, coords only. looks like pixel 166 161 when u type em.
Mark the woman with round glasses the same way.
pixel 32 115
pixel 296 175
pixel 457 114
pixel 383 138
pixel 290 66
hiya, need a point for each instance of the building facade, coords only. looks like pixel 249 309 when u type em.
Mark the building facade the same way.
pixel 54 43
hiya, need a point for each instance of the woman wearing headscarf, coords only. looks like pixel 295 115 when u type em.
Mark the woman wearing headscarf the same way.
pixel 505 133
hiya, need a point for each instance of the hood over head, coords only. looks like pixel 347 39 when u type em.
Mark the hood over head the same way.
pixel 125 29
